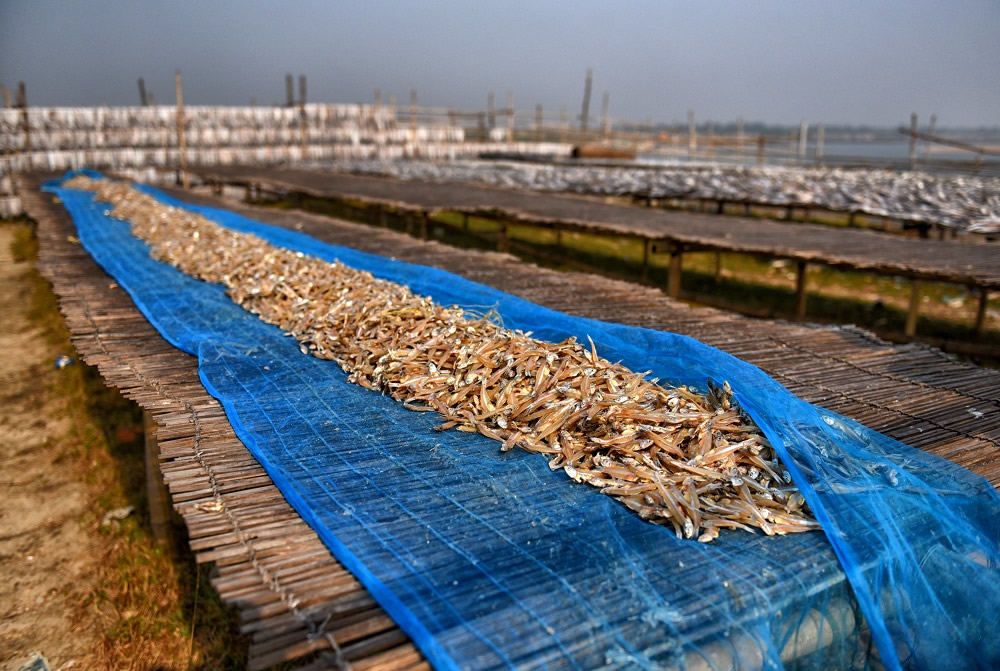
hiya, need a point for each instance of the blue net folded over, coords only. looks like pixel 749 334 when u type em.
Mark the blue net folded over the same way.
pixel 490 560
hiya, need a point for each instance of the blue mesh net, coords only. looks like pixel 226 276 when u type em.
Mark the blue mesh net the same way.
pixel 490 560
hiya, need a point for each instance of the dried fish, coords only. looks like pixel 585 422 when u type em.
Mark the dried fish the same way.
pixel 673 456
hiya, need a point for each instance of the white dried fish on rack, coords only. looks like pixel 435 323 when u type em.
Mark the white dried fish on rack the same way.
pixel 672 455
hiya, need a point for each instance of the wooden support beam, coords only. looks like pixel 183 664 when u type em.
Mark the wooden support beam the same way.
pixel 503 244
pixel 674 272
pixel 800 289
pixel 382 219
pixel 981 312
pixel 181 144
pixel 646 243
pixel 914 309
pixel 718 266
pixel 156 491
pixel 424 225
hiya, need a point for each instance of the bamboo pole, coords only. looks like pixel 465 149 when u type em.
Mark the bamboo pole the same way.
pixel 585 111
pixel 289 90
pixel 692 134
pixel 800 289
pixel 674 271
pixel 510 116
pixel 981 312
pixel 913 141
pixel 302 115
pixel 605 126
pixel 914 309
pixel 181 144
pixel 6 96
pixel 413 114
pixel 156 492
pixel 22 102
pixel 491 110
pixel 143 100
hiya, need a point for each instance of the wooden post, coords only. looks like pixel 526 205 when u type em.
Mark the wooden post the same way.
pixel 538 123
pixel 413 114
pixel 913 141
pixel 181 144
pixel 423 226
pixel 302 114
pixel 6 96
pixel 913 312
pixel 510 116
pixel 930 131
pixel 382 219
pixel 143 100
pixel 692 135
pixel 800 289
pixel 156 491
pixel 585 111
pixel 674 272
pixel 559 236
pixel 761 142
pixel 605 125
pixel 289 90
pixel 645 259
pixel 503 244
pixel 491 110
pixel 482 127
pixel 22 102
pixel 981 312
pixel 820 136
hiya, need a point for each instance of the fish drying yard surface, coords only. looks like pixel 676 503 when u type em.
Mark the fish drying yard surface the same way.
pixel 949 261
pixel 964 203
pixel 910 392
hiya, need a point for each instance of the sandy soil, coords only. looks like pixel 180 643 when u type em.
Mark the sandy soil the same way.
pixel 49 553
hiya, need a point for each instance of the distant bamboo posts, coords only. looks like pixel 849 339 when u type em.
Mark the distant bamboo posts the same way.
pixel 143 100
pixel 820 135
pixel 913 141
pixel 491 110
pixel 6 96
pixel 803 139
pixel 181 145
pixel 289 90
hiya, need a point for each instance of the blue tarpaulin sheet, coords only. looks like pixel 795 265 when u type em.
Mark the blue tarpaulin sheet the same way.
pixel 490 560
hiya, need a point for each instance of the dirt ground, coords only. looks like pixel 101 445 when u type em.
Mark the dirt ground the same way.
pixel 49 550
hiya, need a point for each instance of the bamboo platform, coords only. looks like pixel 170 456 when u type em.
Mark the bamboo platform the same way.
pixel 295 599
pixel 976 266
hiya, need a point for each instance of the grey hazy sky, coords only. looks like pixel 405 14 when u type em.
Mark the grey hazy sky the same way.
pixel 847 61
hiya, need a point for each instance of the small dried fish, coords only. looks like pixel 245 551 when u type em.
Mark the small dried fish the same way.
pixel 673 456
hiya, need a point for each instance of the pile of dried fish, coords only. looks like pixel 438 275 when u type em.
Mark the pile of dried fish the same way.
pixel 967 204
pixel 671 455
